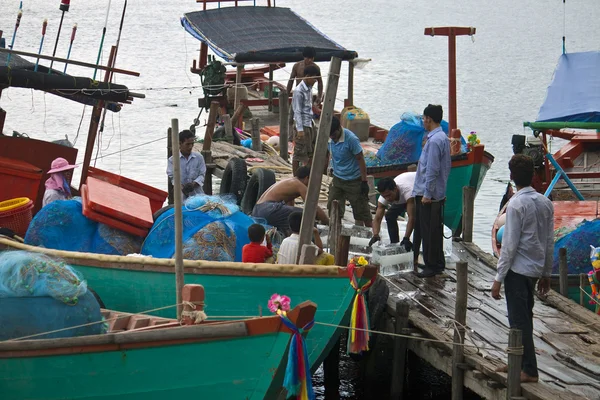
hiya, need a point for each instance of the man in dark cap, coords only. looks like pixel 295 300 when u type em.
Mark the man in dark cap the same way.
pixel 430 193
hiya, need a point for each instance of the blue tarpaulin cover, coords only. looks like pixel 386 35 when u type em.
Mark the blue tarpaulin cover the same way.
pixel 574 94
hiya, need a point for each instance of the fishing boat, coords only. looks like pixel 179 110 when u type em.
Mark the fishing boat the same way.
pixel 147 357
pixel 275 35
pixel 571 114
pixel 135 284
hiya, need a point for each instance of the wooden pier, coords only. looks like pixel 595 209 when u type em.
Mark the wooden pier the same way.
pixel 566 335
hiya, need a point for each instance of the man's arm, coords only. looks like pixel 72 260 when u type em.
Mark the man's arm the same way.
pixel 170 169
pixel 362 165
pixel 202 172
pixel 549 245
pixel 378 218
pixel 411 213
pixel 510 242
pixel 291 80
pixel 320 90
pixel 318 241
pixel 434 166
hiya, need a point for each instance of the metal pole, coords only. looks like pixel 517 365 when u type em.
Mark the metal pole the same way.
pixel 178 215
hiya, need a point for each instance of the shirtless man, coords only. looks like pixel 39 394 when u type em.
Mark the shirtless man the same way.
pixel 277 203
pixel 297 74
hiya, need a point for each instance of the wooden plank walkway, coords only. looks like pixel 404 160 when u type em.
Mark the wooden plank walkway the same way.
pixel 567 337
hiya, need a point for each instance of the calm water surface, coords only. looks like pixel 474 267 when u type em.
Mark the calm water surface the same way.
pixel 502 74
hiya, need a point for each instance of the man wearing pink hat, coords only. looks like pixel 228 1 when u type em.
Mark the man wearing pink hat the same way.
pixel 57 186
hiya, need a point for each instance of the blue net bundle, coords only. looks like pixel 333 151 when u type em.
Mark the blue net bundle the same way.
pixel 214 229
pixel 61 225
pixel 39 294
pixel 578 242
pixel 404 141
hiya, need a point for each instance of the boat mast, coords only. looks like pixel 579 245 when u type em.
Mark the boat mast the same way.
pixel 452 32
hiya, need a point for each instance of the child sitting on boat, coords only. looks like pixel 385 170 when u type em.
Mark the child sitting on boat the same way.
pixel 255 252
pixel 289 247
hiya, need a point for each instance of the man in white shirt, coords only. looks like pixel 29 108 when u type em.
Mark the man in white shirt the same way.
pixel 526 256
pixel 193 167
pixel 395 197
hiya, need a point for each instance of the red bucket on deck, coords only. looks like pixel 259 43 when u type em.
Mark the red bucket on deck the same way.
pixel 17 219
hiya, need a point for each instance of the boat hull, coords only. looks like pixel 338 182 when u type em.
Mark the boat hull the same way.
pixel 143 284
pixel 241 368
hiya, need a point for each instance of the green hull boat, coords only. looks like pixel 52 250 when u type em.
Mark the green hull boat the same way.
pixel 233 290
pixel 242 359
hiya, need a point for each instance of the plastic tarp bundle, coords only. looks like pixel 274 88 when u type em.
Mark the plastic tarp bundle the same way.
pixel 574 93
pixel 40 294
pixel 214 229
pixel 62 226
pixel 404 141
pixel 577 242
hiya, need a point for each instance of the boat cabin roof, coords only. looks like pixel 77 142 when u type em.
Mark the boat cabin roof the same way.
pixel 252 34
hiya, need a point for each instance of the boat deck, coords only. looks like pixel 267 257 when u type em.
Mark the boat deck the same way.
pixel 566 335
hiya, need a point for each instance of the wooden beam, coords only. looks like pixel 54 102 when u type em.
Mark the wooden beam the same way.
pixel 350 84
pixel 335 227
pixel 238 81
pixel 468 213
pixel 583 280
pixel 319 157
pixel 515 357
pixel 284 125
pixel 563 270
pixel 178 217
pixel 256 142
pixel 210 125
pixel 308 255
pixel 449 30
pixel 94 122
pixel 400 345
pixel 74 62
pixel 460 316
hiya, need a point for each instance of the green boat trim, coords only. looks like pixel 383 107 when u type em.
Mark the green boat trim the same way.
pixel 234 359
pixel 139 284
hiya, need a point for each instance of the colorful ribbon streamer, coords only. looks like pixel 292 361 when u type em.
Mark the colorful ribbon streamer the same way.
pixel 358 337
pixel 298 381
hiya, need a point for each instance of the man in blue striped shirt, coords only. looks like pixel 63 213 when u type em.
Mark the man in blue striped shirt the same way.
pixel 430 193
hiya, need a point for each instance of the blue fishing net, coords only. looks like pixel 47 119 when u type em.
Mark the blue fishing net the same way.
pixel 577 242
pixel 404 141
pixel 214 229
pixel 61 225
pixel 40 294
pixel 26 274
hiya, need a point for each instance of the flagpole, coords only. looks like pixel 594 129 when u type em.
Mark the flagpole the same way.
pixel 64 7
pixel 102 40
pixel 44 25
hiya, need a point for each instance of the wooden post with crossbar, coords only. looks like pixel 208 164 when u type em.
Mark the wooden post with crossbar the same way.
pixel 452 32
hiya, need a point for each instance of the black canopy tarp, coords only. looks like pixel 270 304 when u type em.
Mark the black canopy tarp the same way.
pixel 260 35
pixel 21 73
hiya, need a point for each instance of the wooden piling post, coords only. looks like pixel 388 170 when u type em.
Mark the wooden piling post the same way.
pixel 227 125
pixel 467 217
pixel 169 154
pixel 238 115
pixel 238 81
pixel 350 83
pixel 400 344
pixel 331 372
pixel 256 142
pixel 563 270
pixel 460 317
pixel 372 195
pixel 308 254
pixel 583 280
pixel 319 156
pixel 178 216
pixel 515 357
pixel 270 87
pixel 335 226
pixel 341 251
pixel 284 125
pixel 207 144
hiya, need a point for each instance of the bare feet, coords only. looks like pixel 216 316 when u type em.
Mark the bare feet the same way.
pixel 527 378
pixel 502 369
